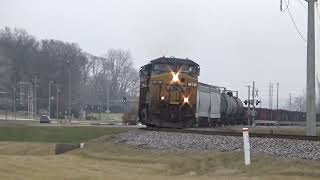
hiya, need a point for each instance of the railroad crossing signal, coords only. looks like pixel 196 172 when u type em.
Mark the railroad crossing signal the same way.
pixel 124 100
pixel 257 102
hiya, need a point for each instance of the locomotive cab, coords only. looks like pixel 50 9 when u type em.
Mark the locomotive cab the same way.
pixel 168 92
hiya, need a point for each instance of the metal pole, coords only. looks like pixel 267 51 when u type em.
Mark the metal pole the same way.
pixel 249 114
pixel 108 99
pixel 14 101
pixel 49 99
pixel 57 103
pixel 277 96
pixel 271 101
pixel 310 96
pixel 277 114
pixel 69 93
pixel 290 102
pixel 29 103
pixel 35 95
pixel 253 111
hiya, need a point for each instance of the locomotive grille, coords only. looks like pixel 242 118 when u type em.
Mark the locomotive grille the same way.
pixel 174 95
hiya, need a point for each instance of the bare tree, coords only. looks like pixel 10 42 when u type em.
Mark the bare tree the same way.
pixel 22 57
pixel 117 67
pixel 299 103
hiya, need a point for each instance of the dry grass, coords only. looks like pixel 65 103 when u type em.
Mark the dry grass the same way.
pixel 101 159
pixel 25 148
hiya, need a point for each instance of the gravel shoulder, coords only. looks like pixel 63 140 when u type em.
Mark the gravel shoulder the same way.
pixel 293 149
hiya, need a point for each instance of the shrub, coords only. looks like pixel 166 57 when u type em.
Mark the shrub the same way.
pixel 130 117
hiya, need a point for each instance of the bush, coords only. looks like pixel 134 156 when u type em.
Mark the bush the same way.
pixel 130 117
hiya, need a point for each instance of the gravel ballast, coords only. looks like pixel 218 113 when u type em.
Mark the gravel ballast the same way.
pixel 198 142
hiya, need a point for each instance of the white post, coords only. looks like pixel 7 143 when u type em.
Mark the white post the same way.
pixel 246 146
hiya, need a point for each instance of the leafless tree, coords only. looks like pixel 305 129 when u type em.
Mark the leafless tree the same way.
pixel 299 103
pixel 117 67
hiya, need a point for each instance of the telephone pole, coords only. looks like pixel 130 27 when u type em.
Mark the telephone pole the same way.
pixel 69 92
pixel 310 96
pixel 277 96
pixel 253 111
pixel 57 102
pixel 249 113
pixel 290 102
pixel 35 95
pixel 49 99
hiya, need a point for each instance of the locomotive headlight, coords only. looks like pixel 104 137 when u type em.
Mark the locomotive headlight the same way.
pixel 186 100
pixel 175 77
pixel 162 98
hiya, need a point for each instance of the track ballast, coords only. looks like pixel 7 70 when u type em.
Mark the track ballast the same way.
pixel 232 133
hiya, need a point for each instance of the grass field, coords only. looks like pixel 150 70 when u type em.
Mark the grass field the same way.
pixel 108 117
pixel 53 134
pixel 33 159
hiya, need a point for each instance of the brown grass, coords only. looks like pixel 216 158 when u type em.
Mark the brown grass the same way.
pixel 101 159
pixel 25 148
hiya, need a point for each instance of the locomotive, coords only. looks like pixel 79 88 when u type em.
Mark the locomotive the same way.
pixel 172 96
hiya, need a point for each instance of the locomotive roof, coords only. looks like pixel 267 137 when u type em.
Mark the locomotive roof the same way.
pixel 173 60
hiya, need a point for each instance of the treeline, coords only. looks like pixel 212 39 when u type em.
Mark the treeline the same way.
pixel 23 58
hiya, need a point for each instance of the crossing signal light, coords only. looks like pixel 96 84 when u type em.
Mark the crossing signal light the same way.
pixel 124 100
pixel 245 102
pixel 257 102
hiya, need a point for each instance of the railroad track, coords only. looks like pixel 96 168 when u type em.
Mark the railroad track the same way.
pixel 232 133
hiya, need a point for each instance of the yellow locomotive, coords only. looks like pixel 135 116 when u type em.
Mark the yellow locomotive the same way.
pixel 168 92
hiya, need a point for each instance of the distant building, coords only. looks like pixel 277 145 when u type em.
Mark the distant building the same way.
pixel 24 93
pixel 5 100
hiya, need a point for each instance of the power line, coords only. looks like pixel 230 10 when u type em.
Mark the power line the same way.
pixel 287 5
pixel 300 2
pixel 293 21
pixel 318 13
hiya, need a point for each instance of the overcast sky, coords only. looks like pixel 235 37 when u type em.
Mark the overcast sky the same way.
pixel 235 42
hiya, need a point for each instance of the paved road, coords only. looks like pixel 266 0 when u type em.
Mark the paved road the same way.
pixel 54 122
pixel 9 117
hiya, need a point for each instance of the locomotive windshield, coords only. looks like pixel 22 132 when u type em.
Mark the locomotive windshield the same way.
pixel 162 68
pixel 183 68
pixel 189 69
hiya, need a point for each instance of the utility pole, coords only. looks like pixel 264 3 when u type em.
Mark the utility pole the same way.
pixel 29 103
pixel 290 102
pixel 57 98
pixel 277 113
pixel 69 92
pixel 49 110
pixel 14 101
pixel 277 96
pixel 310 96
pixel 108 98
pixel 270 99
pixel 35 95
pixel 249 114
pixel 253 111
